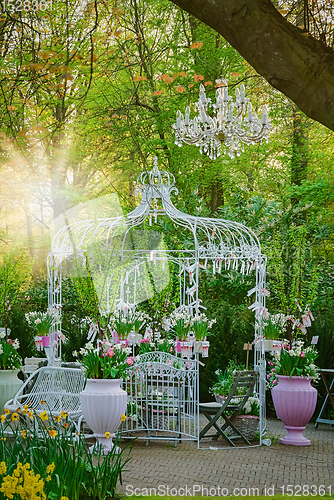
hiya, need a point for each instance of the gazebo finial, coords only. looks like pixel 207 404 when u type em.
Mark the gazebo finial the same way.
pixel 155 168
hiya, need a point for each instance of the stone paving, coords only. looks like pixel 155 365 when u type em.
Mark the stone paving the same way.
pixel 162 468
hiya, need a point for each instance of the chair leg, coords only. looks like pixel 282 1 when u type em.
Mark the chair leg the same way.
pixel 228 423
pixel 212 423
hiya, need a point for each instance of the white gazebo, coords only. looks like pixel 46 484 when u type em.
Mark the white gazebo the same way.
pixel 127 259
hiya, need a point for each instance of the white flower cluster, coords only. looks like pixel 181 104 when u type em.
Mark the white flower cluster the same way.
pixel 163 341
pixel 2 334
pixel 277 320
pixel 253 403
pixel 201 318
pixel 16 344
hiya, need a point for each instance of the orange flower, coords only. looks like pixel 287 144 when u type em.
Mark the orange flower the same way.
pixel 7 412
pixel 66 425
pixel 196 45
pixel 180 88
pixel 53 433
pixel 198 77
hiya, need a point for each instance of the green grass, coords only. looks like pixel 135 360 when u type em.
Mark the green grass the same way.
pixel 228 497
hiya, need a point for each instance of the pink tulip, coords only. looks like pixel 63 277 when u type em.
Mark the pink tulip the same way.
pixel 302 355
pixel 110 353
pixel 129 361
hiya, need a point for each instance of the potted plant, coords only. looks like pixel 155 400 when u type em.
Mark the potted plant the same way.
pixel 179 323
pixel 10 365
pixel 248 422
pixel 123 323
pixel 103 401
pixel 200 325
pixel 41 322
pixel 293 396
pixel 273 326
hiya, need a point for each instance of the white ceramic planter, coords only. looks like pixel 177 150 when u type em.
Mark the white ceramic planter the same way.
pixel 102 403
pixel 9 385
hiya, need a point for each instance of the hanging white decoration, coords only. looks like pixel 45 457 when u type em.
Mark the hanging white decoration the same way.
pixel 233 124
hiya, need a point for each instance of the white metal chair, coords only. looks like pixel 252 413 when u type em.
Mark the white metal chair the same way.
pixel 52 389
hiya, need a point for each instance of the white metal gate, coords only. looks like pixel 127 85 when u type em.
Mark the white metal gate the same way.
pixel 162 398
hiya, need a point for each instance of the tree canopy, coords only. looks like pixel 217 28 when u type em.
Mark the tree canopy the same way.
pixel 296 60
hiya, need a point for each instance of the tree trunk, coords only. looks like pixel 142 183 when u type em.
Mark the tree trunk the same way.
pixel 300 151
pixel 291 60
pixel 217 195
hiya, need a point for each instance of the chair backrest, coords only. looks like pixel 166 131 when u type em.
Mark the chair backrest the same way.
pixel 54 389
pixel 242 388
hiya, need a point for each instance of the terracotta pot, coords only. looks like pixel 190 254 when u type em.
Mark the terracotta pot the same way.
pixel 103 402
pixel 295 400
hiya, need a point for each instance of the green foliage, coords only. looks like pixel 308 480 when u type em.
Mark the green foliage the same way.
pixel 59 456
pixel 289 271
pixel 225 378
pixel 14 273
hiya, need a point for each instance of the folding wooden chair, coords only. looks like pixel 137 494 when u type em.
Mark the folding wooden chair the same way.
pixel 242 388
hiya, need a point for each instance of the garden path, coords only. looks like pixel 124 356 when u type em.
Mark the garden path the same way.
pixel 171 469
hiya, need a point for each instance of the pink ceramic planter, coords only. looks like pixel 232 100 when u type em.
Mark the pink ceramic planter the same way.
pixel 295 400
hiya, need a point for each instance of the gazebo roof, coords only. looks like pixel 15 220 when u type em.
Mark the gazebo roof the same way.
pixel 217 240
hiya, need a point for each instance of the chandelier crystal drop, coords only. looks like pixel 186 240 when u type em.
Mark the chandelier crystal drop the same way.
pixel 233 125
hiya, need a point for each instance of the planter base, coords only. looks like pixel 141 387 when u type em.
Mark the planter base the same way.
pixel 104 446
pixel 295 436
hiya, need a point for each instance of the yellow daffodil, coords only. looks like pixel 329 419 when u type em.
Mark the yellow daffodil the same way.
pixel 14 417
pixel 44 416
pixel 57 418
pixel 48 478
pixel 31 415
pixel 107 435
pixel 123 418
pixel 23 433
pixel 66 425
pixel 53 433
pixel 63 414
pixel 26 407
pixel 50 468
pixel 2 418
pixel 43 402
pixel 7 412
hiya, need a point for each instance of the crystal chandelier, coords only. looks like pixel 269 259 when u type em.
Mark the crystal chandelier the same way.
pixel 233 125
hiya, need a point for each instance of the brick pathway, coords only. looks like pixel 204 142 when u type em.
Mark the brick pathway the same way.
pixel 163 466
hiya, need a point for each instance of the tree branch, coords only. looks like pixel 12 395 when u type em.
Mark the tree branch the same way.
pixel 291 60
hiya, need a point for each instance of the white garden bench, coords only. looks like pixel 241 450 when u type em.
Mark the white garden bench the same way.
pixel 52 389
